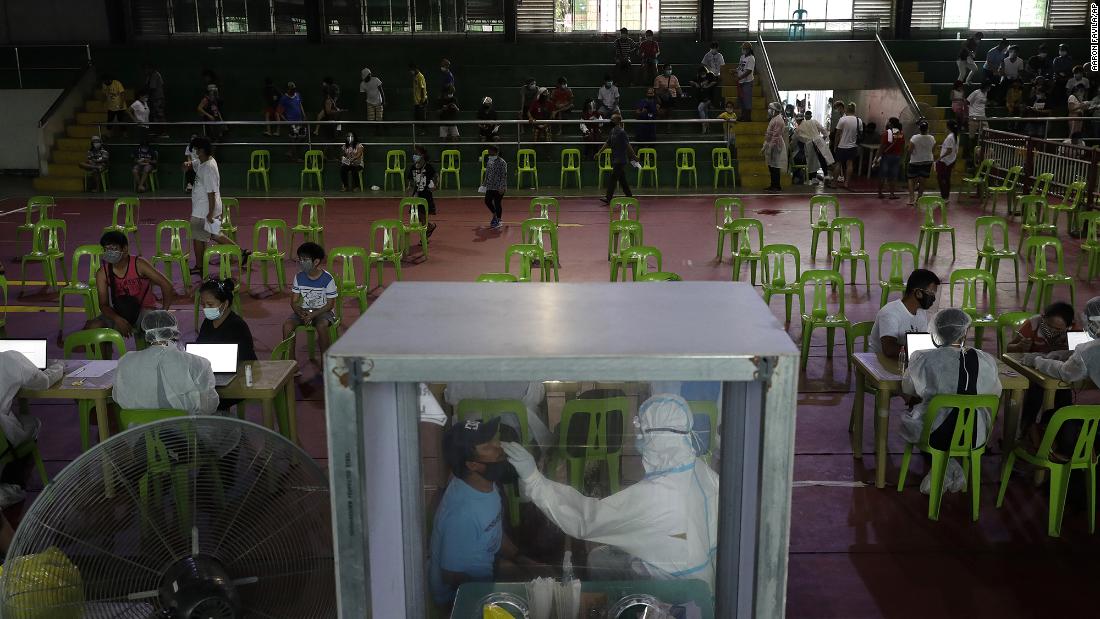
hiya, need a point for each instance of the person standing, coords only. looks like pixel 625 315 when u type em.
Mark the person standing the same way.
pixel 949 151
pixel 1012 64
pixel 976 103
pixel 154 85
pixel 272 112
pixel 959 106
pixel 713 60
pixel 496 183
pixel 775 145
pixel 115 96
pixel 812 136
pixel 624 50
pixel 705 84
pixel 448 78
pixel 920 160
pixel 1063 63
pixel 649 49
pixel 891 149
pixel 746 70
pixel 371 89
pixel 419 95
pixel 210 111
pixel 622 154
pixel 967 66
pixel 139 114
pixel 848 130
pixel 206 204
pixel 994 65
pixel 292 109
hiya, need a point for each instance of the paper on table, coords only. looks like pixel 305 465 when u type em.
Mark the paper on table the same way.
pixel 94 369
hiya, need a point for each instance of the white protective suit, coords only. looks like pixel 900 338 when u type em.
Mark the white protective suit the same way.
pixel 935 372
pixel 775 143
pixel 531 394
pixel 666 522
pixel 165 377
pixel 17 372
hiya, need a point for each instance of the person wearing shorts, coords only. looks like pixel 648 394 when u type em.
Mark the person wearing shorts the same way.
pixel 848 130
pixel 920 160
pixel 892 147
pixel 314 296
pixel 206 203
pixel 120 276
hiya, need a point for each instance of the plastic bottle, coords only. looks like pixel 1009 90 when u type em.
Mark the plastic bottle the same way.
pixel 903 358
pixel 248 375
pixel 567 566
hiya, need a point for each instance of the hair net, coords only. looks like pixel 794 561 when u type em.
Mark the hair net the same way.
pixel 160 326
pixel 949 326
pixel 1092 317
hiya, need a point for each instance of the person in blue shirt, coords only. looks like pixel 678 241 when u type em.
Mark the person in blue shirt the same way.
pixel 290 104
pixel 468 541
pixel 646 111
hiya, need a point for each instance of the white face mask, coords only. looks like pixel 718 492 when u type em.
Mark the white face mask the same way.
pixel 212 313
pixel 350 139
pixel 492 158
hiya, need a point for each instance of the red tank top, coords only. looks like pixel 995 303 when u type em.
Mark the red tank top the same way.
pixel 131 285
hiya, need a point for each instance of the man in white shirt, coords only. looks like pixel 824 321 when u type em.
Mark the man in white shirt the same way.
pixel 949 151
pixel 713 60
pixel 206 203
pixel 1012 64
pixel 848 129
pixel 977 101
pixel 920 161
pixel 909 314
pixel 139 113
pixel 371 89
pixel 608 97
pixel 746 73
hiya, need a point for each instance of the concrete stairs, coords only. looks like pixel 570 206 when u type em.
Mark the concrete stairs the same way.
pixel 70 148
pixel 923 90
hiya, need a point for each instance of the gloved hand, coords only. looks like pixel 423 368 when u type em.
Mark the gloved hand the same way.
pixel 431 184
pixel 521 460
pixel 1028 359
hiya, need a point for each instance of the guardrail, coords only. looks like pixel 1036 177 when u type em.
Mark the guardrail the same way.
pixel 1067 162
pixel 19 53
pixel 895 72
pixel 1032 121
pixel 767 66
pixel 796 29
pixel 60 111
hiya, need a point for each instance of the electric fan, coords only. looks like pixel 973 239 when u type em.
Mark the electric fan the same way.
pixel 185 518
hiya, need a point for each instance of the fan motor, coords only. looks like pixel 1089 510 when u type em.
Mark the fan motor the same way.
pixel 198 587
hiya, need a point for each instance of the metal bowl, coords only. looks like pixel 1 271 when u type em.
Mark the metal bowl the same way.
pixel 651 606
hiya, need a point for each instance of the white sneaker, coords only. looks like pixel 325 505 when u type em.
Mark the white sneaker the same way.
pixel 11 494
pixel 926 484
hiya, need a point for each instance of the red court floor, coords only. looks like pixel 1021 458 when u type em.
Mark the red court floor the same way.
pixel 855 551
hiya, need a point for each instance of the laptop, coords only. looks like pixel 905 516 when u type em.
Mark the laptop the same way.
pixel 222 358
pixel 33 350
pixel 1076 338
pixel 918 341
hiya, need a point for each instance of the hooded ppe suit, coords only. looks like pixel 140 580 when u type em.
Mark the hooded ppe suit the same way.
pixel 667 522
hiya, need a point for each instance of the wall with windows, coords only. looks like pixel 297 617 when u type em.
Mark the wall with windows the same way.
pixel 53 21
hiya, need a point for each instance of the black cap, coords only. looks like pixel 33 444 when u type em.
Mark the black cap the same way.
pixel 462 438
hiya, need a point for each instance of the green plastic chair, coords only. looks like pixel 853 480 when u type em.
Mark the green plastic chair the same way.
pixel 497 278
pixel 570 166
pixel 1083 457
pixel 131 215
pixel 227 255
pixel 341 263
pixel 726 210
pixel 47 247
pixel 621 235
pixel 934 210
pixel 259 167
pixel 744 253
pixel 620 208
pixel 991 238
pixel 269 251
pixel 526 164
pixel 311 218
pixel 862 330
pixel 283 350
pixel 104 179
pixel 1090 244
pixel 721 159
pixel 603 166
pixel 685 164
pixel 413 213
pixel 1070 205
pixel 386 246
pixel 395 167
pixel 1007 188
pixel 1009 320
pixel 97 345
pixel 637 257
pixel 847 251
pixel 543 232
pixel 980 180
pixel 598 418
pixel 482 158
pixel 895 281
pixel 528 254
pixel 542 206
pixel 980 319
pixel 659 276
pixel 1034 209
pixel 1041 186
pixel 823 210
pixel 174 252
pixel 38 208
pixel 647 158
pixel 773 273
pixel 1034 255
pixel 704 415
pixel 311 339
pixel 961 446
pixel 312 168
pixel 486 410
pixel 83 288
pixel 10 453
pixel 819 317
pixel 230 208
pixel 450 165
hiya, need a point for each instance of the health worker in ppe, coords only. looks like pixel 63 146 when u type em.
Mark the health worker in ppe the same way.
pixel 664 526
pixel 949 368
pixel 163 375
pixel 1071 366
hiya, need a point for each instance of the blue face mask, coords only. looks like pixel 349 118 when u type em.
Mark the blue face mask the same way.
pixel 416 158
pixel 212 313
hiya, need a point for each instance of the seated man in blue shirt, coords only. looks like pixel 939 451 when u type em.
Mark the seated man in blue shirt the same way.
pixel 468 541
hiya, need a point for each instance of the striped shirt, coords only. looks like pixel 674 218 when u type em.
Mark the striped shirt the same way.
pixel 624 47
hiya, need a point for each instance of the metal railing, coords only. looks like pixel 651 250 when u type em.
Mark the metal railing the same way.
pixel 797 29
pixel 895 72
pixel 20 65
pixel 52 124
pixel 1031 122
pixel 1067 163
pixel 766 65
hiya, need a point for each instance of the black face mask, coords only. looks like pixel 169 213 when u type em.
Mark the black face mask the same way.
pixel 501 471
pixel 926 300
